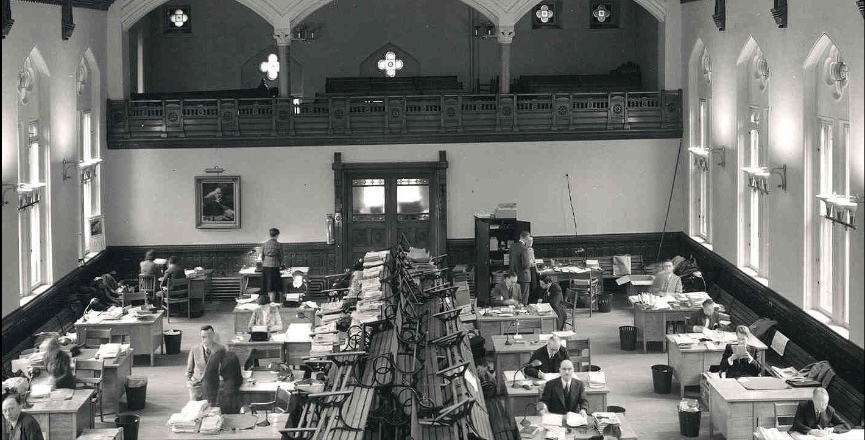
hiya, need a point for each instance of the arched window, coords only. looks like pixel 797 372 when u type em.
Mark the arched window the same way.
pixel 753 136
pixel 34 233
pixel 700 137
pixel 90 175
pixel 827 162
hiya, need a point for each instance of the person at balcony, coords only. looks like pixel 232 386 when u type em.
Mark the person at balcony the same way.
pixel 57 364
pixel 507 292
pixel 521 265
pixel 707 318
pixel 815 417
pixel 738 359
pixel 22 426
pixel 551 293
pixel 271 261
pixel 564 395
pixel 551 357
pixel 666 282
pixel 217 206
pixel 148 266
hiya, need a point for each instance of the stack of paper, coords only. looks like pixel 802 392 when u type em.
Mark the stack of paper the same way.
pixel 320 348
pixel 211 423
pixel 783 373
pixel 605 418
pixel 371 272
pixel 330 318
pixel 330 327
pixel 575 419
pixel 40 390
pixel 681 339
pixel 597 379
pixel 188 418
pixel 331 307
pixel 108 351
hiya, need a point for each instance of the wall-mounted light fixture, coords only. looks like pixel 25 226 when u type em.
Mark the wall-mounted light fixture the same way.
pixel 758 177
pixel 88 169
pixel 66 165
pixel 841 209
pixel 702 155
pixel 29 194
pixel 214 170
pixel 485 30
pixel 303 33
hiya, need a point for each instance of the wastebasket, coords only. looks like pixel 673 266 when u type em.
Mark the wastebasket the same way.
pixel 605 302
pixel 662 378
pixel 615 409
pixel 172 341
pixel 136 392
pixel 689 418
pixel 582 300
pixel 628 337
pixel 591 368
pixel 129 423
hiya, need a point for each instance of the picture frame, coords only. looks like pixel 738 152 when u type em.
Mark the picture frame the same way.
pixel 97 233
pixel 217 202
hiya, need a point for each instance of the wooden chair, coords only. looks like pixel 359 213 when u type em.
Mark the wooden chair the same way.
pixel 100 335
pixel 148 284
pixel 787 412
pixel 576 350
pixel 176 291
pixel 279 404
pixel 126 298
pixel 88 374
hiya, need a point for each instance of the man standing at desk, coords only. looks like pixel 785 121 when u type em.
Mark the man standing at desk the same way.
pixel 666 281
pixel 199 356
pixel 521 264
pixel 815 417
pixel 551 356
pixel 564 395
pixel 552 295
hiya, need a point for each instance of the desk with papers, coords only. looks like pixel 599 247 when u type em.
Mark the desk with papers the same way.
pixel 737 411
pixel 500 320
pixel 689 356
pixel 529 390
pixel 774 434
pixel 653 320
pixel 515 355
pixel 145 334
pixel 556 430
pixel 243 312
pixel 114 374
pixel 249 272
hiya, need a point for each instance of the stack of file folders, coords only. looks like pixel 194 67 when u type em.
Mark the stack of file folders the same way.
pixel 189 418
pixel 211 422
pixel 331 307
pixel 605 418
pixel 374 258
pixel 372 272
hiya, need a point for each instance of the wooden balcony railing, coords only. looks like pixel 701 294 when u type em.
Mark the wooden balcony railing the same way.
pixel 393 119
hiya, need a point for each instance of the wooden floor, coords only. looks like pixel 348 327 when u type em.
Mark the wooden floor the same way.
pixel 628 373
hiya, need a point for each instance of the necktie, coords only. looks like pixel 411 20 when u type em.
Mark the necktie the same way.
pixel 568 395
pixel 206 354
pixel 818 417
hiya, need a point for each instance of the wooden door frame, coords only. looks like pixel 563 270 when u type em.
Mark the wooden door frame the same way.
pixel 342 194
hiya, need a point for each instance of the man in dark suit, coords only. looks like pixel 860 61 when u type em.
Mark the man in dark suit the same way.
pixel 565 394
pixel 551 356
pixel 707 318
pixel 816 417
pixel 521 264
pixel 552 295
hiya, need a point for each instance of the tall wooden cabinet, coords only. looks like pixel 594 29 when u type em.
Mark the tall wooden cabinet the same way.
pixel 493 240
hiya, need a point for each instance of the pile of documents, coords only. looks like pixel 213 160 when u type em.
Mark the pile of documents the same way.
pixel 371 272
pixel 188 419
pixel 374 258
pixel 783 373
pixel 211 421
pixel 597 379
pixel 331 307
pixel 605 418
pixel 109 351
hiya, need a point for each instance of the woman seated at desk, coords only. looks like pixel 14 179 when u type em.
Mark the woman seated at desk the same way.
pixel 174 271
pixel 57 364
pixel 267 314
pixel 297 285
pixel 739 358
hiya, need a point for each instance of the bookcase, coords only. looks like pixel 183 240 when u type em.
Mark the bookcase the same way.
pixel 493 240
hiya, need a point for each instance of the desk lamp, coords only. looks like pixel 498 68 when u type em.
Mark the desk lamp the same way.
pixel 515 322
pixel 534 363
pixel 525 421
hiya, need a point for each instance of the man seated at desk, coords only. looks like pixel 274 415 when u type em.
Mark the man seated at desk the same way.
pixel 738 359
pixel 551 356
pixel 23 425
pixel 708 318
pixel 506 293
pixel 564 395
pixel 815 417
pixel 551 293
pixel 666 281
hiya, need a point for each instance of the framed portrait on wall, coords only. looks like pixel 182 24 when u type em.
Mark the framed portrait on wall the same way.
pixel 97 235
pixel 217 202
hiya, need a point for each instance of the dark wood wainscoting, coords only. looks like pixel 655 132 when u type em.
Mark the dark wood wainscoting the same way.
pixel 847 359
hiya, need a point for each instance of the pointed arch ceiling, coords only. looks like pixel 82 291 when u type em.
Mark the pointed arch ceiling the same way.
pixel 283 14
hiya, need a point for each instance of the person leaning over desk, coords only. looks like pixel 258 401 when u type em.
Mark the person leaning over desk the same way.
pixel 738 359
pixel 564 395
pixel 552 295
pixel 707 317
pixel 815 417
pixel 551 356
pixel 23 425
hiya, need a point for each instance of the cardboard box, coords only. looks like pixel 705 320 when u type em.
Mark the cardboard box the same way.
pixel 636 283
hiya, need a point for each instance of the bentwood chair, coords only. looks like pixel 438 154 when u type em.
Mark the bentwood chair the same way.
pixel 88 374
pixel 176 291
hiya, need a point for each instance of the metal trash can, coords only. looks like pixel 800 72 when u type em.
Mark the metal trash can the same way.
pixel 689 418
pixel 129 423
pixel 172 341
pixel 662 378
pixel 628 337
pixel 136 392
pixel 615 409
pixel 605 302
pixel 591 368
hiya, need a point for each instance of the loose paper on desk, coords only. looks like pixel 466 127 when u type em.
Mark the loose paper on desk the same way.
pixel 597 379
pixel 564 334
pixel 682 339
pixel 550 419
pixel 575 419
pixel 556 433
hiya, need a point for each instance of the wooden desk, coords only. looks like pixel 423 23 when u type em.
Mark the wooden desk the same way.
pixel 264 388
pixel 737 412
pixel 514 356
pixel 114 376
pixel 628 432
pixel 689 363
pixel 288 315
pixel 490 325
pixel 102 434
pixel 257 433
pixel 249 272
pixel 62 419
pixel 651 323
pixel 289 349
pixel 145 335
pixel 519 398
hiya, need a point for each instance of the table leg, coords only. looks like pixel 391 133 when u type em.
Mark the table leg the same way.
pixel 681 389
pixel 644 345
pixel 244 283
